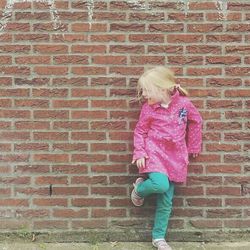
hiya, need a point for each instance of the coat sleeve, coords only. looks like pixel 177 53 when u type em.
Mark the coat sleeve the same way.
pixel 194 129
pixel 140 133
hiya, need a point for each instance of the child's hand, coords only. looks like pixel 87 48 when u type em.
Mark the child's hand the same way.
pixel 140 163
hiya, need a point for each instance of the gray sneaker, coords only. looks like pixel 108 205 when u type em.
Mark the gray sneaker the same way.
pixel 135 198
pixel 161 244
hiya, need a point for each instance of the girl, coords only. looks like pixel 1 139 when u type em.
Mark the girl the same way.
pixel 169 128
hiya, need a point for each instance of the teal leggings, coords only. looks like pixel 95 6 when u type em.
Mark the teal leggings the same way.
pixel 158 183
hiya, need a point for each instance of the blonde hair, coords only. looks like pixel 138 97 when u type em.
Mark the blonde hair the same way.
pixel 157 79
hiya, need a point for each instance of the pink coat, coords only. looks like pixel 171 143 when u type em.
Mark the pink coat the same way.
pixel 167 135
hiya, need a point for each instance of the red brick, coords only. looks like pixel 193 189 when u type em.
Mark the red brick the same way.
pixel 88 158
pixel 107 38
pixel 45 180
pixel 4 147
pixel 87 202
pixel 114 191
pixel 224 38
pixel 70 59
pixel 87 180
pixel 32 16
pixel 5 81
pixel 124 49
pixel 228 191
pixel 14 203
pixel 204 71
pixel 227 60
pixel 237 93
pixel 181 17
pixel 32 213
pixel 51 114
pixel 146 16
pixel 50 202
pixel 224 104
pixel 13 136
pixel 197 180
pixel 152 38
pixel 241 49
pixel 224 126
pixel 204 49
pixel 32 103
pixel 222 147
pixel 88 70
pixel 166 49
pixel 109 60
pixel 54 136
pixel 70 213
pixel 70 125
pixel 100 213
pixel 69 191
pixel 50 92
pixel 88 48
pixel 31 146
pixel 70 104
pixel 204 202
pixel 88 136
pixel 5 60
pixel 51 158
pixel 23 125
pixel 224 213
pixel 5 192
pixel 32 169
pixel 116 168
pixel 108 147
pixel 31 37
pixel 203 6
pixel 32 191
pixel 221 82
pixel 71 147
pixel 206 223
pixel 95 27
pixel 14 92
pixel 237 202
pixel 33 60
pixel 50 49
pixel 166 27
pixel 70 169
pixel 79 92
pixel 15 48
pixel 237 223
pixel 50 70
pixel 228 16
pixel 69 38
pixel 5 103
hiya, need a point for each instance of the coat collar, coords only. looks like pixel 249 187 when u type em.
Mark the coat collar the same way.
pixel 174 97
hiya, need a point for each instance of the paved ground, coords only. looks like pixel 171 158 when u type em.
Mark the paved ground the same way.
pixel 123 246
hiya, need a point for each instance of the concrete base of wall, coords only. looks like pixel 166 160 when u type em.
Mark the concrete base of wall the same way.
pixel 95 236
pixel 125 246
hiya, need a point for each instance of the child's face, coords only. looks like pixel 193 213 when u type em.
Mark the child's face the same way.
pixel 153 98
pixel 150 99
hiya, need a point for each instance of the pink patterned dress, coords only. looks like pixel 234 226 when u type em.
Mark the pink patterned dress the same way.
pixel 166 135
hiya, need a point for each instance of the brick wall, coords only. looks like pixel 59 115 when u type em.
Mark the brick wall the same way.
pixel 68 71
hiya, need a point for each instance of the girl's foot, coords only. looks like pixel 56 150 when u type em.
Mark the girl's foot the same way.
pixel 135 198
pixel 161 244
